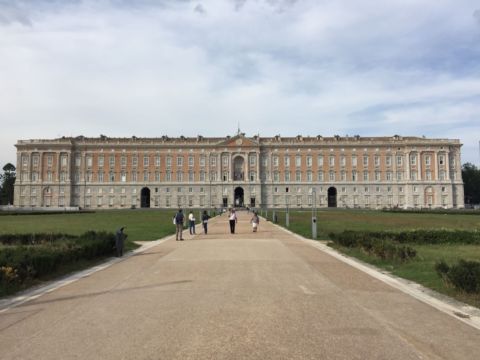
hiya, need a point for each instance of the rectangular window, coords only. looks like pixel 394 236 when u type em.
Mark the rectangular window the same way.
pixel 89 161
pixel 179 161
pixel 275 176
pixel 354 175
pixel 389 176
pixel 320 176
pixel 399 160
pixel 213 161
pixel 123 161
pixel 331 160
pixel 264 160
pixel 135 161
pixel 298 176
pixel 343 161
pixel 365 160
pixel 320 160
pixel 225 160
pixel 413 159
pixel 145 176
pixel 427 160
pixel 253 160
pixel 388 160
pixel 191 176
pixel 111 161
pixel 399 175
pixel 35 160
pixel 377 176
pixel 179 176
pixel 157 176
pixel 287 160
pixel 309 176
pixel 134 176
pixel 101 161
pixel 343 176
pixel 157 160
pixel 202 160
pixel 298 160
pixel 332 176
pixel 287 176
pixel 49 160
pixel 191 161
pixel 377 160
pixel 169 161
pixel 354 160
pixel 112 177
pixel 275 160
pixel 365 176
pixel 146 160
pixel 441 160
pixel 309 161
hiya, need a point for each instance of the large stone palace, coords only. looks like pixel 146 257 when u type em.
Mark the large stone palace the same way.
pixel 203 172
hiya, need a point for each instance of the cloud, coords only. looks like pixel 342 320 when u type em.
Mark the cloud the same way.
pixel 149 68
pixel 476 15
pixel 11 13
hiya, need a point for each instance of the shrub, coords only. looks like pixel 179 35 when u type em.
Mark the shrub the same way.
pixel 465 275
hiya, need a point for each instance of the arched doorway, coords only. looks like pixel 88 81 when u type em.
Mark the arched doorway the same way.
pixel 238 166
pixel 238 197
pixel 332 197
pixel 145 198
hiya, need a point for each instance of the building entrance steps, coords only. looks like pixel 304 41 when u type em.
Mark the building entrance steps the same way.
pixel 264 295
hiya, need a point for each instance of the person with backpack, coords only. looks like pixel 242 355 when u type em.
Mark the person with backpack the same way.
pixel 179 218
pixel 205 218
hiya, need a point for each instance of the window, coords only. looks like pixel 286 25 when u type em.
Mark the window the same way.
pixel 309 160
pixel 389 176
pixel 101 161
pixel 63 176
pixel 134 176
pixel 123 161
pixel 441 160
pixel 275 176
pixel 135 161
pixel 428 175
pixel 298 176
pixel 145 176
pixel 78 160
pixel 111 161
pixel 320 160
pixel 365 160
pixel 286 160
pixel 354 160
pixel 399 160
pixel 354 175
pixel 179 176
pixel 275 160
pixel 388 160
pixel 225 160
pixel 157 176
pixel 298 160
pixel 332 175
pixel 179 161
pixel 413 159
pixel 89 161
pixel 202 175
pixel 24 160
pixel 49 176
pixel 146 160
pixel 442 175
pixel 413 175
pixel 253 160
pixel 49 160
pixel 252 175
pixel 191 176
pixel 264 161
pixel 343 175
pixel 225 176
pixel 112 176
pixel 202 160
pixel 377 176
pixel 213 160
pixel 365 176
pixel 287 176
pixel 331 160
pixel 427 160
pixel 377 160
pixel 169 162
pixel 35 160
pixel 399 175
pixel 343 160
pixel 320 176
pixel 157 160
pixel 309 176
pixel 88 177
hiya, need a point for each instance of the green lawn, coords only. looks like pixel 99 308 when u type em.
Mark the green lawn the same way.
pixel 141 224
pixel 339 220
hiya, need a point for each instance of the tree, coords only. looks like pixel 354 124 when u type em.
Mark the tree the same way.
pixel 7 179
pixel 471 181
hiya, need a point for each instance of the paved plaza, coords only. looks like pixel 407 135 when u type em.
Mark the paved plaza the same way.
pixel 264 295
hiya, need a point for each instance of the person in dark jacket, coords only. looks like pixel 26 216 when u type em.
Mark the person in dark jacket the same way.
pixel 205 218
pixel 119 241
pixel 179 218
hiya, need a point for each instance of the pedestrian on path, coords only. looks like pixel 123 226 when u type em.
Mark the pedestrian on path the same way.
pixel 255 221
pixel 205 218
pixel 179 218
pixel 232 219
pixel 119 241
pixel 191 223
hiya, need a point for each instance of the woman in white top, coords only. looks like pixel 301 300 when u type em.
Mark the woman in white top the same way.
pixel 191 223
pixel 232 219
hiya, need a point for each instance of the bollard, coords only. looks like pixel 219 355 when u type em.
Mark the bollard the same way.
pixel 274 217
pixel 314 227
pixel 287 219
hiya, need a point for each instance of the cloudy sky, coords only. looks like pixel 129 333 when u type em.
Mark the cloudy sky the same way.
pixel 289 67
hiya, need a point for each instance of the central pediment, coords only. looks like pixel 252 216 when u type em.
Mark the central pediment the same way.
pixel 238 141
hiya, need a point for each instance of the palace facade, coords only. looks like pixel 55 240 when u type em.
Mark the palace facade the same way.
pixel 203 172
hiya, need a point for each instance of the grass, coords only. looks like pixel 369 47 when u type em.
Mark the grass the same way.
pixel 421 269
pixel 140 225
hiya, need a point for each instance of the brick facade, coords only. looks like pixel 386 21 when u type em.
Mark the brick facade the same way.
pixel 203 172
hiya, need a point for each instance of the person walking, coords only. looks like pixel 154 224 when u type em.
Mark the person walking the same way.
pixel 191 223
pixel 179 218
pixel 119 241
pixel 205 218
pixel 255 221
pixel 232 219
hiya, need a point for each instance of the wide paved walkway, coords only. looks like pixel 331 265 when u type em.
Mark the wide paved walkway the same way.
pixel 244 296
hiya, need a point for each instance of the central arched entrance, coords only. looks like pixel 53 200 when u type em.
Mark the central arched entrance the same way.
pixel 332 197
pixel 145 198
pixel 238 201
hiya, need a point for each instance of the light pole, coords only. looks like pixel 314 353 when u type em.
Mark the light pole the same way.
pixel 287 214
pixel 209 193
pixel 314 214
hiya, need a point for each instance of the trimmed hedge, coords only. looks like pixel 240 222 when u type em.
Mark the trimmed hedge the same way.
pixel 21 263
pixel 383 248
pixel 411 237
pixel 465 275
